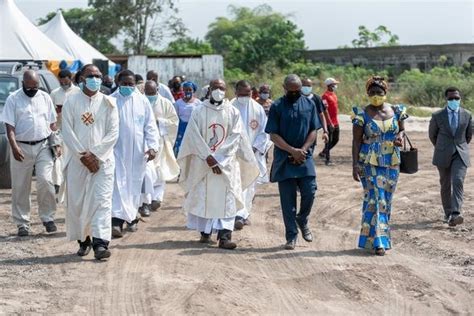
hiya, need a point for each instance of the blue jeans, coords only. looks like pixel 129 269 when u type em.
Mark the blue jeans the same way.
pixel 288 194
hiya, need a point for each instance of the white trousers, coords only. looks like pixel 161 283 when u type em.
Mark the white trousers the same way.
pixel 39 158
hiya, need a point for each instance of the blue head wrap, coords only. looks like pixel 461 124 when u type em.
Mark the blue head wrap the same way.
pixel 191 84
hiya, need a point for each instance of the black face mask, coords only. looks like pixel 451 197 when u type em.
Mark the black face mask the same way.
pixel 107 84
pixel 30 92
pixel 176 85
pixel 293 95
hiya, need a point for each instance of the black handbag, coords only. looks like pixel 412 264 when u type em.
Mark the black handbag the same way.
pixel 408 157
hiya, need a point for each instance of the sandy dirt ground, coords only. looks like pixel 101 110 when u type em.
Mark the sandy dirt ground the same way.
pixel 162 269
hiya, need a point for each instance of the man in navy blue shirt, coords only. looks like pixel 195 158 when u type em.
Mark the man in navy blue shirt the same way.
pixel 292 128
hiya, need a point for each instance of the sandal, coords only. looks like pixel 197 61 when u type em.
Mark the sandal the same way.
pixel 380 251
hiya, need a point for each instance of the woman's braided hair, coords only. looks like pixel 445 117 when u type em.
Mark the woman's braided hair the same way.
pixel 376 81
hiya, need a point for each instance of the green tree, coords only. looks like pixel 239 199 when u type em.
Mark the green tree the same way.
pixel 142 23
pixel 188 45
pixel 381 36
pixel 84 22
pixel 254 37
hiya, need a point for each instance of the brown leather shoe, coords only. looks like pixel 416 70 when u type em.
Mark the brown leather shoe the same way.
pixel 227 244
pixel 239 224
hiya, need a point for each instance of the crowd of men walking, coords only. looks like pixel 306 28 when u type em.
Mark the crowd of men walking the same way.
pixel 106 148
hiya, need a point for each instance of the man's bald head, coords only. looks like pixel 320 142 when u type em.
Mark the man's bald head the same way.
pixel 217 84
pixel 152 75
pixel 30 80
pixel 30 75
pixel 307 82
pixel 151 88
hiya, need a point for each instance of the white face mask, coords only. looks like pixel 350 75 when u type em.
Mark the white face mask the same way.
pixel 243 100
pixel 218 95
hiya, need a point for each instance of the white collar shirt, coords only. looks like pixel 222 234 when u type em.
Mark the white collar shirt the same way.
pixel 31 117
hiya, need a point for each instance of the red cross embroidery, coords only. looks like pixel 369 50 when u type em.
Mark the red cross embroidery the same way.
pixel 87 118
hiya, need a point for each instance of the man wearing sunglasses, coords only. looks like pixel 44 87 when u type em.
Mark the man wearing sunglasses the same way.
pixel 450 132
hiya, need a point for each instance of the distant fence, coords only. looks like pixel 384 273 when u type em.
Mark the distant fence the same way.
pixel 200 68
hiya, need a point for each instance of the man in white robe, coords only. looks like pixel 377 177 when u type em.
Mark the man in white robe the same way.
pixel 59 96
pixel 254 120
pixel 137 144
pixel 217 162
pixel 165 164
pixel 90 131
pixel 163 89
pixel 164 167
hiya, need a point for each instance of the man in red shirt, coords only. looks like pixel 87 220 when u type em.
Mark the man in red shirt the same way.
pixel 330 102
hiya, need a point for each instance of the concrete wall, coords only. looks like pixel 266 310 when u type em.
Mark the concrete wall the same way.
pixel 200 69
pixel 400 58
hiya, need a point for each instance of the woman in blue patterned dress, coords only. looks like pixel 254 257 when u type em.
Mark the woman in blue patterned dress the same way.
pixel 377 135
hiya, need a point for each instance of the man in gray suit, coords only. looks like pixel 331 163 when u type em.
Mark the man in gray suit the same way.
pixel 450 132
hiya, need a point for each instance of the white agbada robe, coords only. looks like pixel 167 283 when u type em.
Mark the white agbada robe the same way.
pixel 137 134
pixel 212 201
pixel 59 96
pixel 164 167
pixel 167 167
pixel 254 120
pixel 89 124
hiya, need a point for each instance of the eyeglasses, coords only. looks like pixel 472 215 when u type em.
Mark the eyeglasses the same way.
pixel 454 98
pixel 94 76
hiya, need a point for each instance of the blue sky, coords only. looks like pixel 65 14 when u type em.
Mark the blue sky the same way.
pixel 326 24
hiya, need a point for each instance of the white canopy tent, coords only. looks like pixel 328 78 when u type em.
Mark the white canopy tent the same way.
pixel 22 40
pixel 58 30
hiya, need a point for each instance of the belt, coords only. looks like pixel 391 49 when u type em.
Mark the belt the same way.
pixel 34 142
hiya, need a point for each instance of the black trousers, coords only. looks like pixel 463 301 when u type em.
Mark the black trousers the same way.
pixel 96 242
pixel 333 140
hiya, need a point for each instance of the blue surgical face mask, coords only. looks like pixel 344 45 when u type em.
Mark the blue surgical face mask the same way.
pixel 93 84
pixel 264 96
pixel 454 105
pixel 126 90
pixel 306 90
pixel 152 98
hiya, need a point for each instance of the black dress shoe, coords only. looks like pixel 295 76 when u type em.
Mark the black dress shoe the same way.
pixel 455 220
pixel 101 252
pixel 84 250
pixel 50 227
pixel 144 210
pixel 23 231
pixel 306 232
pixel 133 226
pixel 84 247
pixel 290 245
pixel 117 232
pixel 155 205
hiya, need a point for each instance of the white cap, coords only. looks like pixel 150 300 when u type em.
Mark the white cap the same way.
pixel 330 81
